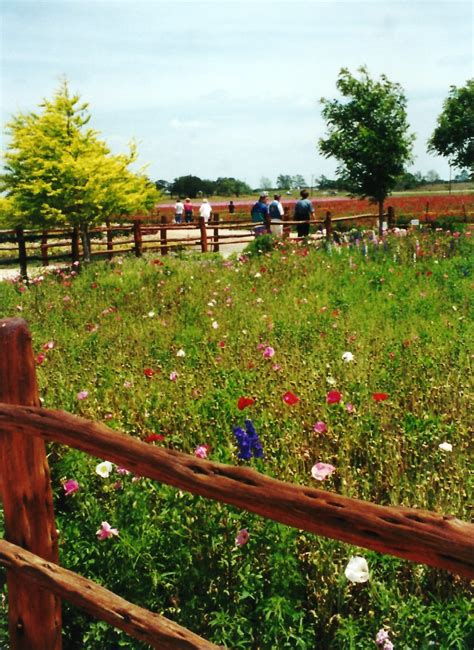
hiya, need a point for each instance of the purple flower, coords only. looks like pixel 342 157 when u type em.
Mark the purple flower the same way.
pixel 242 537
pixel 248 441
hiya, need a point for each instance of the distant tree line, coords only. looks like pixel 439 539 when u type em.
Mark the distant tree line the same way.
pixel 193 186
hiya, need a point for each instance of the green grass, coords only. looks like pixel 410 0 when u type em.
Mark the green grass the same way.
pixel 408 323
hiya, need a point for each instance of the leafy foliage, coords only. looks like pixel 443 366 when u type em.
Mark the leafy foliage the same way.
pixel 368 134
pixel 454 135
pixel 58 172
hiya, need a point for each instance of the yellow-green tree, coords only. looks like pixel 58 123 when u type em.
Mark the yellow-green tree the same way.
pixel 58 172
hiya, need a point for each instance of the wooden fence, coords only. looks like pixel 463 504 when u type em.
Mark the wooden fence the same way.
pixel 36 582
pixel 142 235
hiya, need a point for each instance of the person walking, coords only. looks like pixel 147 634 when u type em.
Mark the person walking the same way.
pixel 205 210
pixel 178 211
pixel 231 207
pixel 188 211
pixel 276 216
pixel 259 212
pixel 303 212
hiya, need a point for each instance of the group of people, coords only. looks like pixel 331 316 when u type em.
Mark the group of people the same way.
pixel 186 210
pixel 274 209
pixel 263 207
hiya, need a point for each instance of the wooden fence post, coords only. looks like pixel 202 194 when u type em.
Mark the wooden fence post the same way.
pixel 216 233
pixel 110 240
pixel 267 221
pixel 44 248
pixel 34 615
pixel 163 237
pixel 202 227
pixel 75 245
pixel 286 217
pixel 390 217
pixel 137 236
pixel 328 226
pixel 20 237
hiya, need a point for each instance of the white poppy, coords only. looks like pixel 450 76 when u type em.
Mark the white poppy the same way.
pixel 348 356
pixel 103 469
pixel 357 569
pixel 446 446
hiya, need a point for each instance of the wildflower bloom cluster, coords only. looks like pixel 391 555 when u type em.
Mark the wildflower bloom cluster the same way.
pixel 248 442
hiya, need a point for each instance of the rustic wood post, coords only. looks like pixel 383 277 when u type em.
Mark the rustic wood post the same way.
pixel 34 615
pixel 44 248
pixel 390 217
pixel 75 245
pixel 286 217
pixel 267 221
pixel 328 226
pixel 163 237
pixel 110 240
pixel 20 237
pixel 137 236
pixel 202 227
pixel 216 233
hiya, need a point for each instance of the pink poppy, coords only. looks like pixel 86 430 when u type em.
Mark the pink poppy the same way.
pixel 269 352
pixel 320 471
pixel 106 531
pixel 70 486
pixel 320 427
pixel 244 402
pixel 333 397
pixel 242 537
pixel 290 398
pixel 201 451
pixel 173 375
pixel 350 408
pixel 49 345
pixel 83 394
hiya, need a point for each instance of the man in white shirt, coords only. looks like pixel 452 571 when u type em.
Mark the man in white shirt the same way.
pixel 178 211
pixel 276 215
pixel 205 210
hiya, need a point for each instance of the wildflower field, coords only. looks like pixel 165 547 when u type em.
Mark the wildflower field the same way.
pixel 343 368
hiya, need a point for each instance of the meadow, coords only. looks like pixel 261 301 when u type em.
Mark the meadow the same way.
pixel 358 357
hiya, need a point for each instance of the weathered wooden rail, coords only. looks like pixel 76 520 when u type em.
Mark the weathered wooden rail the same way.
pixel 29 551
pixel 144 235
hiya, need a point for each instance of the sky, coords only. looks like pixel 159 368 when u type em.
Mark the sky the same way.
pixel 231 88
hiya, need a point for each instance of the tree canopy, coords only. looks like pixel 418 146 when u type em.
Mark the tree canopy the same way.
pixel 57 171
pixel 368 134
pixel 193 186
pixel 453 137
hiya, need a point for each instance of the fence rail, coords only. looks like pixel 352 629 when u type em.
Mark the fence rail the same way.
pixel 138 238
pixel 35 581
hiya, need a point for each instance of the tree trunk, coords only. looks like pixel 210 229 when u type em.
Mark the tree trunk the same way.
pixel 86 248
pixel 381 202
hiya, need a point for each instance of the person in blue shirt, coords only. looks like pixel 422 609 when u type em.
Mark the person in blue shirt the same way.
pixel 259 211
pixel 303 212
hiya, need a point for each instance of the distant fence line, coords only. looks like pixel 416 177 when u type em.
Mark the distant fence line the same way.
pixel 145 234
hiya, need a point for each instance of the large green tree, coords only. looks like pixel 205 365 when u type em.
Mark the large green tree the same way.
pixel 58 172
pixel 367 133
pixel 453 137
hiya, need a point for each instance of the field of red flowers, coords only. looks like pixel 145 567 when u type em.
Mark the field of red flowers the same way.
pixel 425 207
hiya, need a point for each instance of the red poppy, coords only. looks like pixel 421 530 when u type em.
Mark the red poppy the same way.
pixel 244 402
pixel 154 437
pixel 148 372
pixel 290 398
pixel 333 397
pixel 379 397
pixel 40 358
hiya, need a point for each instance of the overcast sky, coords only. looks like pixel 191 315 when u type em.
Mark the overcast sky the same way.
pixel 231 88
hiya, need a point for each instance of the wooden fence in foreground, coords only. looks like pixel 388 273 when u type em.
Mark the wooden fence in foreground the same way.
pixel 36 582
pixel 144 235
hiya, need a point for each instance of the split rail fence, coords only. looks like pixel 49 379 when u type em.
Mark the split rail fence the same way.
pixel 143 236
pixel 36 583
